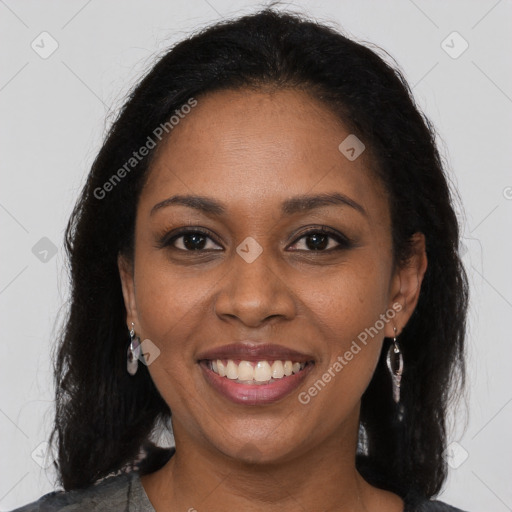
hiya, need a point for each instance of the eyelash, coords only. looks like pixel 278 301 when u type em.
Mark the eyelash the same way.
pixel 344 242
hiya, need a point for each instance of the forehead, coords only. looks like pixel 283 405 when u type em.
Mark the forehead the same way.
pixel 254 148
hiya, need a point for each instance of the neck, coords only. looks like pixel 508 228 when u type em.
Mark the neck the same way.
pixel 321 478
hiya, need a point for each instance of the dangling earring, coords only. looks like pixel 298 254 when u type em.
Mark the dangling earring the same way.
pixel 132 358
pixel 394 370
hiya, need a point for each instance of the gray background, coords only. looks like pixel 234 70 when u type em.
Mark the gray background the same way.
pixel 54 113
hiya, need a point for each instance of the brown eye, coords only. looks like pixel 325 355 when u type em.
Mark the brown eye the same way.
pixel 189 241
pixel 321 240
pixel 193 241
pixel 317 241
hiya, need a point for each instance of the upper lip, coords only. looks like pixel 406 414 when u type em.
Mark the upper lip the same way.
pixel 249 351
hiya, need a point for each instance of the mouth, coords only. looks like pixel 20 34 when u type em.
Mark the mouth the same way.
pixel 255 375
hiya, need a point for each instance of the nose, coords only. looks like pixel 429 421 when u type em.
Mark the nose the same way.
pixel 254 293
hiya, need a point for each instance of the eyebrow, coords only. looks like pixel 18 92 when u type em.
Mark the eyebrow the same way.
pixel 296 204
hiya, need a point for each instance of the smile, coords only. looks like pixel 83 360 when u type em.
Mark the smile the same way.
pixel 255 373
pixel 255 385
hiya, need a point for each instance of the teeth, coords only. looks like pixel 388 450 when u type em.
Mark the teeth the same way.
pixel 231 370
pixel 262 372
pixel 245 371
pixel 277 370
pixel 259 372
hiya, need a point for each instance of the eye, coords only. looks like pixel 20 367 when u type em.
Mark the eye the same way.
pixel 321 239
pixel 190 240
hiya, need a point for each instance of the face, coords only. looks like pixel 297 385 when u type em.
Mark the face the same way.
pixel 241 274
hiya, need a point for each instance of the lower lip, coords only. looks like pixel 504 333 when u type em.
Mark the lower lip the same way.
pixel 255 394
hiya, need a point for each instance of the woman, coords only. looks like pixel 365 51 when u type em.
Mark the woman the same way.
pixel 265 247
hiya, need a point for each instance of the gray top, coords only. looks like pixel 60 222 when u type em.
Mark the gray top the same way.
pixel 122 493
pixel 125 493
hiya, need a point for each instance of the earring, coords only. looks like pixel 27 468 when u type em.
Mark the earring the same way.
pixel 132 358
pixel 395 371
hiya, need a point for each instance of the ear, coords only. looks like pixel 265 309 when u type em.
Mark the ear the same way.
pixel 406 285
pixel 128 284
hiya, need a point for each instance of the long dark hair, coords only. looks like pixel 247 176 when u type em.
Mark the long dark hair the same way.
pixel 104 417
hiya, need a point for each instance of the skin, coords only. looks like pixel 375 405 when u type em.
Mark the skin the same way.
pixel 251 151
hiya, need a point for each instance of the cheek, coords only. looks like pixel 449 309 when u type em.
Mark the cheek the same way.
pixel 348 299
pixel 350 357
pixel 166 298
pixel 170 308
pixel 346 308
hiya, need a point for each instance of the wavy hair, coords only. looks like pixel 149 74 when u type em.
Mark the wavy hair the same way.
pixel 104 417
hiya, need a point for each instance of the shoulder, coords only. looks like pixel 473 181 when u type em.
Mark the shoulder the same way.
pixel 111 494
pixel 432 506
